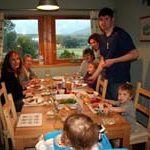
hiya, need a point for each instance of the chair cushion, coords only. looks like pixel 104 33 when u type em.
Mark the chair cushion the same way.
pixel 139 134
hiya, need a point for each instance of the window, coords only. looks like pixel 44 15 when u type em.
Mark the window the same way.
pixel 57 39
pixel 71 37
pixel 21 35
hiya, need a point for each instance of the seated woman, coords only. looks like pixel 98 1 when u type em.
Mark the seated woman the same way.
pixel 88 56
pixel 11 68
pixel 90 71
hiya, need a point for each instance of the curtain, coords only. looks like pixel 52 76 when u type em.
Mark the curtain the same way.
pixel 1 35
pixel 94 21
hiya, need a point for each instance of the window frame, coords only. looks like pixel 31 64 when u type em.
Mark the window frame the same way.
pixel 47 36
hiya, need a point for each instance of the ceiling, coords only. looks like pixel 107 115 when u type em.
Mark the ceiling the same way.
pixel 30 5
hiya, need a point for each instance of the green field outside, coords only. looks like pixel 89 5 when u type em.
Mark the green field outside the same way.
pixel 78 51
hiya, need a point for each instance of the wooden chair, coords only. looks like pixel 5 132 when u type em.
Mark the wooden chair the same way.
pixel 101 86
pixel 10 118
pixel 8 101
pixel 3 126
pixel 4 91
pixel 141 133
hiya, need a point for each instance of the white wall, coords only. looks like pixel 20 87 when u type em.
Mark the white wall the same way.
pixel 128 17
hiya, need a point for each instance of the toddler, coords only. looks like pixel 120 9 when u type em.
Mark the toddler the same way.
pixel 124 105
pixel 80 132
pixel 92 66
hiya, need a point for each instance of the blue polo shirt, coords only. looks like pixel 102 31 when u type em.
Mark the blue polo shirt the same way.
pixel 117 44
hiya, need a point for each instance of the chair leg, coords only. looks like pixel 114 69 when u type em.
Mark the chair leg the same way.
pixel 130 147
pixel 1 134
pixel 6 143
pixel 147 145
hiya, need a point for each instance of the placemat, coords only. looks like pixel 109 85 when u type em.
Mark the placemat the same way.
pixel 30 120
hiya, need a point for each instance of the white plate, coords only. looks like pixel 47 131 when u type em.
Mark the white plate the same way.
pixel 34 101
pixel 58 78
pixel 59 97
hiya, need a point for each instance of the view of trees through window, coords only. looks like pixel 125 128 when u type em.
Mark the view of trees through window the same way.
pixel 71 37
pixel 21 35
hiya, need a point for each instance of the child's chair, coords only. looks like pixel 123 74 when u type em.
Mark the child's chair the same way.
pixel 141 133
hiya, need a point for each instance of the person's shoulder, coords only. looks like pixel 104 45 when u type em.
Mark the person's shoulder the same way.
pixel 120 31
pixel 129 103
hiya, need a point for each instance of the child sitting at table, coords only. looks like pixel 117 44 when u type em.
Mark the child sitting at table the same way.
pixel 124 105
pixel 92 66
pixel 80 132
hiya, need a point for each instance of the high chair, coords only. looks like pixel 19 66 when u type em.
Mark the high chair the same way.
pixel 141 134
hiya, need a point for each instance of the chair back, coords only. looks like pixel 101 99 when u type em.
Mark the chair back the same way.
pixel 141 107
pixel 3 125
pixel 10 117
pixel 4 91
pixel 101 86
pixel 141 131
pixel 6 129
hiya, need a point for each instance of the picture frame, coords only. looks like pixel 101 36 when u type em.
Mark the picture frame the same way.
pixel 145 28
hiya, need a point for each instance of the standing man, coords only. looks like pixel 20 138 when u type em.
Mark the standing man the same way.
pixel 117 51
pixel 94 41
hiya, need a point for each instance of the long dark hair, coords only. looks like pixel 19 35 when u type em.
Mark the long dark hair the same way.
pixel 6 67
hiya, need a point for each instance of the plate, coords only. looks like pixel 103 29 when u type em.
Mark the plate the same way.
pixel 67 99
pixel 58 78
pixel 33 101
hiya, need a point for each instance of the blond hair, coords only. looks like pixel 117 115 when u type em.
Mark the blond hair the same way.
pixel 81 131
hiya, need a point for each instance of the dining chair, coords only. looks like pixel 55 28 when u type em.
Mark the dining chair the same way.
pixel 4 91
pixel 10 116
pixel 141 133
pixel 101 86
pixel 3 126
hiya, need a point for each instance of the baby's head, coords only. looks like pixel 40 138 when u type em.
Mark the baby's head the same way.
pixel 92 66
pixel 80 131
pixel 125 92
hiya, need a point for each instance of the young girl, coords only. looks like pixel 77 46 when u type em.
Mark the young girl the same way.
pixel 92 66
pixel 80 132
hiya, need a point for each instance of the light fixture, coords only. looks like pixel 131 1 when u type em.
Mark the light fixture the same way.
pixel 48 5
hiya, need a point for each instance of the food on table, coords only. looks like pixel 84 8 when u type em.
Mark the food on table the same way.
pixel 67 101
pixel 90 91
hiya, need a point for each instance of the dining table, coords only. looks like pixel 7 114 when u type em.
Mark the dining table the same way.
pixel 27 136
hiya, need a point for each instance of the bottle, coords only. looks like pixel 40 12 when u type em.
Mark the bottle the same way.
pixel 41 60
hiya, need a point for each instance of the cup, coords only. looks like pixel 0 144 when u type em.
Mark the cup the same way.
pixel 68 86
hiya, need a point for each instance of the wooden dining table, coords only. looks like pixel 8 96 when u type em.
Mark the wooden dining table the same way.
pixel 116 126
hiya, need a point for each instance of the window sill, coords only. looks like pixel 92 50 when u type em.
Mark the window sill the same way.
pixel 56 65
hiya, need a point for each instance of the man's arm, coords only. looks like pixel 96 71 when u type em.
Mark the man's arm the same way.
pixel 133 54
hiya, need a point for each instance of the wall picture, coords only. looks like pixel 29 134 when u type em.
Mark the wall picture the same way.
pixel 145 28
